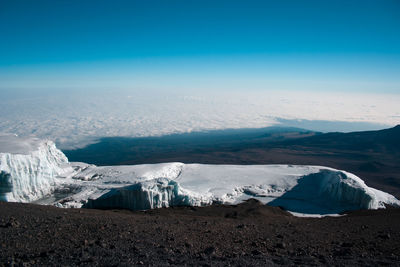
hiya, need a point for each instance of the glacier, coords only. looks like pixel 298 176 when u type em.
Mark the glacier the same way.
pixel 33 170
pixel 29 168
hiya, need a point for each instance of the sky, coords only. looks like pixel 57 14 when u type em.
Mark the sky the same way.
pixel 199 45
pixel 209 64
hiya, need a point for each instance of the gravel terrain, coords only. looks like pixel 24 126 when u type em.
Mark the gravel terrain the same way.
pixel 248 234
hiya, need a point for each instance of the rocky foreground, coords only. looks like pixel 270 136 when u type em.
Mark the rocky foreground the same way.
pixel 246 234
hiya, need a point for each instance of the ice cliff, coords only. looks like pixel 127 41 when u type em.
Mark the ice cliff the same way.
pixel 35 170
pixel 150 194
pixel 29 168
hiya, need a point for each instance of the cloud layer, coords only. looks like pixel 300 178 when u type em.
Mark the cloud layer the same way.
pixel 74 119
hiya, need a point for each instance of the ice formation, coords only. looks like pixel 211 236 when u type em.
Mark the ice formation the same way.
pixel 30 169
pixel 36 170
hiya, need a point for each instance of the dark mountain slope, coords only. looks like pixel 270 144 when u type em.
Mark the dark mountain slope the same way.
pixel 117 150
pixel 387 140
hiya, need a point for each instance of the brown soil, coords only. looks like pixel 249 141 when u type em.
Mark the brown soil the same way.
pixel 248 234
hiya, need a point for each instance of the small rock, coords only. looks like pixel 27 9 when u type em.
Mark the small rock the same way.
pixel 12 223
pixel 209 250
pixel 385 236
pixel 347 244
pixel 232 215
pixel 342 252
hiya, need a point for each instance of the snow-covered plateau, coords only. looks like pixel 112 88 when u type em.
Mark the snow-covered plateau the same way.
pixel 33 170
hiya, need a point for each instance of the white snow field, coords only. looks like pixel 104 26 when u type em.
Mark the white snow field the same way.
pixel 32 170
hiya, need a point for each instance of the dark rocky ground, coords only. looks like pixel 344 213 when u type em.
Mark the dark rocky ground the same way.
pixel 249 234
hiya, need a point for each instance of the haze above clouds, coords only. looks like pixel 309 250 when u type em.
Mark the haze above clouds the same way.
pixel 74 119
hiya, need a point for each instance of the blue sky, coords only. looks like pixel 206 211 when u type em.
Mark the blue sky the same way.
pixel 200 45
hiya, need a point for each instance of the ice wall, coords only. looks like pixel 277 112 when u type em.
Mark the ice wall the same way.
pixel 30 174
pixel 150 194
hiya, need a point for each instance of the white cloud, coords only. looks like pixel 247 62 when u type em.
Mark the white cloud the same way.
pixel 75 119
